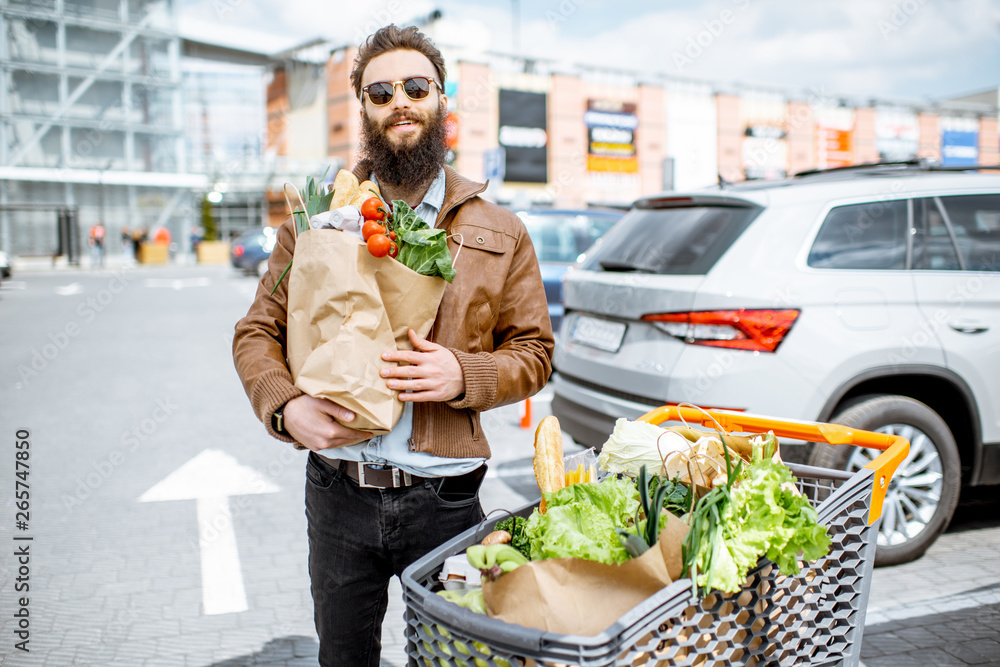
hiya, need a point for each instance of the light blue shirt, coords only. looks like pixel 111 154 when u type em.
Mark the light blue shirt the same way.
pixel 393 448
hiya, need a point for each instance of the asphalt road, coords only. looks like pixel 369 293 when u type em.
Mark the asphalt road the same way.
pixel 146 469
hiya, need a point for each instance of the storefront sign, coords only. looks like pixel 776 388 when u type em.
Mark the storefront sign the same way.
pixel 611 136
pixel 523 135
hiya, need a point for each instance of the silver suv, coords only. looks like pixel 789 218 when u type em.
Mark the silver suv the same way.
pixel 865 296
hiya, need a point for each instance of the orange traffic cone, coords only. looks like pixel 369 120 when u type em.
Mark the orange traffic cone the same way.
pixel 526 413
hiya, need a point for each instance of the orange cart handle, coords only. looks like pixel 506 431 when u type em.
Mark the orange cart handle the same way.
pixel 894 448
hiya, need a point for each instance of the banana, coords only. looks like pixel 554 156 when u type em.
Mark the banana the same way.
pixel 509 555
pixel 476 554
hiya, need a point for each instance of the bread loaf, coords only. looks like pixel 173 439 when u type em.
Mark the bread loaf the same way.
pixel 548 461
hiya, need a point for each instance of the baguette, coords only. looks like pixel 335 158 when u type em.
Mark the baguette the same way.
pixel 548 461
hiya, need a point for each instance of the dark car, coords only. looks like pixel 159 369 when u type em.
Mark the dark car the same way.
pixel 560 237
pixel 252 249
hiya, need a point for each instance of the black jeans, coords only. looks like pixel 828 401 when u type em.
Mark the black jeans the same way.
pixel 358 539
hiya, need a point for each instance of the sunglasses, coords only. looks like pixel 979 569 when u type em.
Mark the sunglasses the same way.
pixel 416 88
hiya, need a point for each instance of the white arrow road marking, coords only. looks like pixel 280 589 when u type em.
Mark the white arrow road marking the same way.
pixel 176 284
pixel 69 290
pixel 210 478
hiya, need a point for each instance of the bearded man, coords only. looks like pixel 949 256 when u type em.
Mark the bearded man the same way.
pixel 376 504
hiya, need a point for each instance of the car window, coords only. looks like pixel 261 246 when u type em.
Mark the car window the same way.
pixel 670 241
pixel 975 221
pixel 862 236
pixel 933 247
pixel 563 237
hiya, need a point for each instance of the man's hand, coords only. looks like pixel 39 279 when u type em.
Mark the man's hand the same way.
pixel 311 422
pixel 435 374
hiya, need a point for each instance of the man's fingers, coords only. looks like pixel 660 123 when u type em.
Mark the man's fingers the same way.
pixel 337 411
pixel 404 356
pixel 421 344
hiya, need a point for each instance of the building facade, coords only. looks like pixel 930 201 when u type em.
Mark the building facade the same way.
pixel 90 119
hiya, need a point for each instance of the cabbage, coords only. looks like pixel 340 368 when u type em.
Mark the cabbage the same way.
pixel 633 445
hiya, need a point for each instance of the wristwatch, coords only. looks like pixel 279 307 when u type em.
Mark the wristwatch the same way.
pixel 278 421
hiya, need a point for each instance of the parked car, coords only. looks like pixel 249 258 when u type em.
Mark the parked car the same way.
pixel 862 296
pixel 251 250
pixel 4 265
pixel 560 237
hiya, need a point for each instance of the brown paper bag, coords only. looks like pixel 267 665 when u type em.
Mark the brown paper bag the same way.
pixel 345 308
pixel 580 597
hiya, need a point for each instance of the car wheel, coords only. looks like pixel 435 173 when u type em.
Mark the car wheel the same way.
pixel 924 489
pixel 261 268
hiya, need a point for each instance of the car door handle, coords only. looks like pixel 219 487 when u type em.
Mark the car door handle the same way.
pixel 968 326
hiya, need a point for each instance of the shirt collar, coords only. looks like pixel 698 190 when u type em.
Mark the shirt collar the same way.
pixel 434 197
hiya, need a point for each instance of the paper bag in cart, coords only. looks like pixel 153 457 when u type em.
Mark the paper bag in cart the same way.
pixel 581 597
pixel 345 308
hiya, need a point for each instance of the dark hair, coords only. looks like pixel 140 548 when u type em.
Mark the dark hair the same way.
pixel 391 38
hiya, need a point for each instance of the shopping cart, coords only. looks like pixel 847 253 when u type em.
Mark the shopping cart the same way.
pixel 814 618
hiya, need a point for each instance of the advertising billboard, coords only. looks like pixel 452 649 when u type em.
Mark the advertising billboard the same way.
pixel 692 136
pixel 959 142
pixel 611 127
pixel 897 134
pixel 523 136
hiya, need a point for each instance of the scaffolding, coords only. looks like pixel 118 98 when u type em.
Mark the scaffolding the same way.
pixel 91 118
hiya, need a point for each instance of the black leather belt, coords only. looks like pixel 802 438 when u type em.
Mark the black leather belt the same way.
pixel 378 476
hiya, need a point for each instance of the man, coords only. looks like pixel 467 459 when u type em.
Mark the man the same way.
pixel 490 345
pixel 97 232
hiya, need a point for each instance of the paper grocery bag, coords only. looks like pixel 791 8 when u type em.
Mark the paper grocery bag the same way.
pixel 581 597
pixel 345 308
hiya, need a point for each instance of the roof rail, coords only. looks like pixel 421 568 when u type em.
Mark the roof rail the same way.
pixel 921 164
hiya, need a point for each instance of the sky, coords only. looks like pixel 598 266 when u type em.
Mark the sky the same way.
pixel 915 50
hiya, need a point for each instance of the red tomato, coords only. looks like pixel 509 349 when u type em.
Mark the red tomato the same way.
pixel 393 250
pixel 370 228
pixel 373 209
pixel 379 245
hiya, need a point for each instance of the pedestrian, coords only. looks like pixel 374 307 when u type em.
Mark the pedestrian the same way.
pixel 127 250
pixel 490 345
pixel 138 238
pixel 97 233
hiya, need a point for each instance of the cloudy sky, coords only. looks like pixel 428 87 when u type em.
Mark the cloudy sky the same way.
pixel 897 49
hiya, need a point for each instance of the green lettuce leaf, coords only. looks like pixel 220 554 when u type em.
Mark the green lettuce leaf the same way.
pixel 580 522
pixel 766 517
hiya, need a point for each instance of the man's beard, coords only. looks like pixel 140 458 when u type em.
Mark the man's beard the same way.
pixel 405 166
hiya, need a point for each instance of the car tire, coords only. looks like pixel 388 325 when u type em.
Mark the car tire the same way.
pixel 924 489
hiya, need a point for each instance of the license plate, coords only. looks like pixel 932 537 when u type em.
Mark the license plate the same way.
pixel 599 334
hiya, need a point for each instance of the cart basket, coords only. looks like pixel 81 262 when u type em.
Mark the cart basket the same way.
pixel 814 618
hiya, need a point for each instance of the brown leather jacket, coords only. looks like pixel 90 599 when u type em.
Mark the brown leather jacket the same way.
pixel 494 318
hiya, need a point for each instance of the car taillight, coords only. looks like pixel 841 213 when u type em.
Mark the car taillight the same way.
pixel 757 330
pixel 238 251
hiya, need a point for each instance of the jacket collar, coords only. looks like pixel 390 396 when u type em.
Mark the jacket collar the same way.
pixel 457 188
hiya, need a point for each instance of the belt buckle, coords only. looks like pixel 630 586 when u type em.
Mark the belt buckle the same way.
pixel 362 482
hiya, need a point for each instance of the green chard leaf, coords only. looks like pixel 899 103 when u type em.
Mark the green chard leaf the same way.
pixel 424 249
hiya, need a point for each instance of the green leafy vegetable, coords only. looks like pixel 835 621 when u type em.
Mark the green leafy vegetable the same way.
pixel 678 498
pixel 764 514
pixel 301 224
pixel 581 520
pixel 423 249
pixel 516 525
